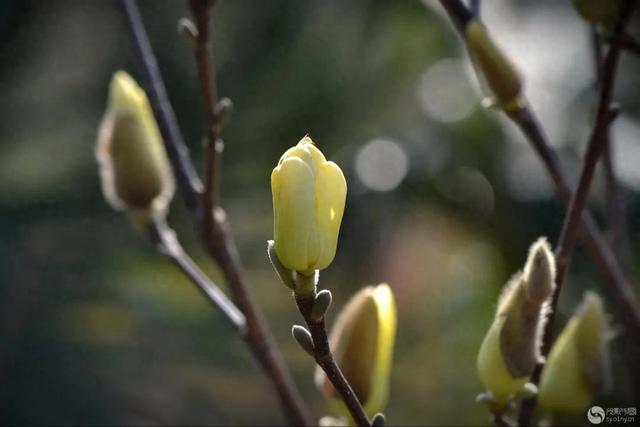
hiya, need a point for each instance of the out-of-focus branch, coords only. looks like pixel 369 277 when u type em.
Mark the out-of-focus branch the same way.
pixel 167 243
pixel 186 175
pixel 218 240
pixel 618 230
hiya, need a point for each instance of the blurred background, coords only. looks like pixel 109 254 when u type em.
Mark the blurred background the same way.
pixel 444 199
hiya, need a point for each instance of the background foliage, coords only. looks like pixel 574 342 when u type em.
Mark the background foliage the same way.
pixel 444 199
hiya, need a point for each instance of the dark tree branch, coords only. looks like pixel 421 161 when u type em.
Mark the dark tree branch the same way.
pixel 618 230
pixel 218 241
pixel 214 143
pixel 324 358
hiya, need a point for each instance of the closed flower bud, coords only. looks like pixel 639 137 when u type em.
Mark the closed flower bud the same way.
pixel 599 12
pixel 309 195
pixel 578 364
pixel 362 343
pixel 511 348
pixel 134 169
pixel 495 71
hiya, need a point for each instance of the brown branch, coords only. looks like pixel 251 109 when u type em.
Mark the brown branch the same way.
pixel 214 143
pixel 324 358
pixel 218 241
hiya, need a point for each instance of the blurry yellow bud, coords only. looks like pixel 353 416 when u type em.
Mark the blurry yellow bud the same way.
pixel 511 348
pixel 599 12
pixel 578 364
pixel 134 169
pixel 495 71
pixel 362 343
pixel 309 195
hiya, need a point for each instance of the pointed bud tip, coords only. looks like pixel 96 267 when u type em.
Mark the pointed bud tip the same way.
pixel 540 271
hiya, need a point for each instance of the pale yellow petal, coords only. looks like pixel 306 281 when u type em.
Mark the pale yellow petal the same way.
pixel 295 214
pixel 331 193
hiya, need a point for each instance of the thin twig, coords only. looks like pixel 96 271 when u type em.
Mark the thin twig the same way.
pixel 218 242
pixel 618 230
pixel 167 243
pixel 187 177
pixel 324 359
pixel 214 143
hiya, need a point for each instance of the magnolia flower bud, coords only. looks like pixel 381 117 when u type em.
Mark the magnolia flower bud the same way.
pixel 599 12
pixel 578 364
pixel 135 172
pixel 494 69
pixel 511 348
pixel 309 195
pixel 362 344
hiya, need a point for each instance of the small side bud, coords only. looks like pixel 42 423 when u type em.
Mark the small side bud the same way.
pixel 378 420
pixel 189 31
pixel 284 274
pixel 223 110
pixel 496 72
pixel 578 365
pixel 321 305
pixel 303 337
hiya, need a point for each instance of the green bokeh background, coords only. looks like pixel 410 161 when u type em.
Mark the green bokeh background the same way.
pixel 96 328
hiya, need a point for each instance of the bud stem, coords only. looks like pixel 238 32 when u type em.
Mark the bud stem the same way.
pixel 324 359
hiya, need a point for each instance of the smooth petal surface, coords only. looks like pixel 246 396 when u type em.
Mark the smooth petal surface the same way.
pixel 331 194
pixel 311 227
pixel 294 213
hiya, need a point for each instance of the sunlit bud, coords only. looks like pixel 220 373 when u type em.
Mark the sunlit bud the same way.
pixel 578 364
pixel 511 348
pixel 135 172
pixel 599 12
pixel 303 338
pixel 362 342
pixel 309 195
pixel 495 71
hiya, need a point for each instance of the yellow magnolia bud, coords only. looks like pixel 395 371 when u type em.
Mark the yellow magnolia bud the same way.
pixel 599 12
pixel 309 195
pixel 362 343
pixel 511 348
pixel 494 69
pixel 578 364
pixel 134 169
